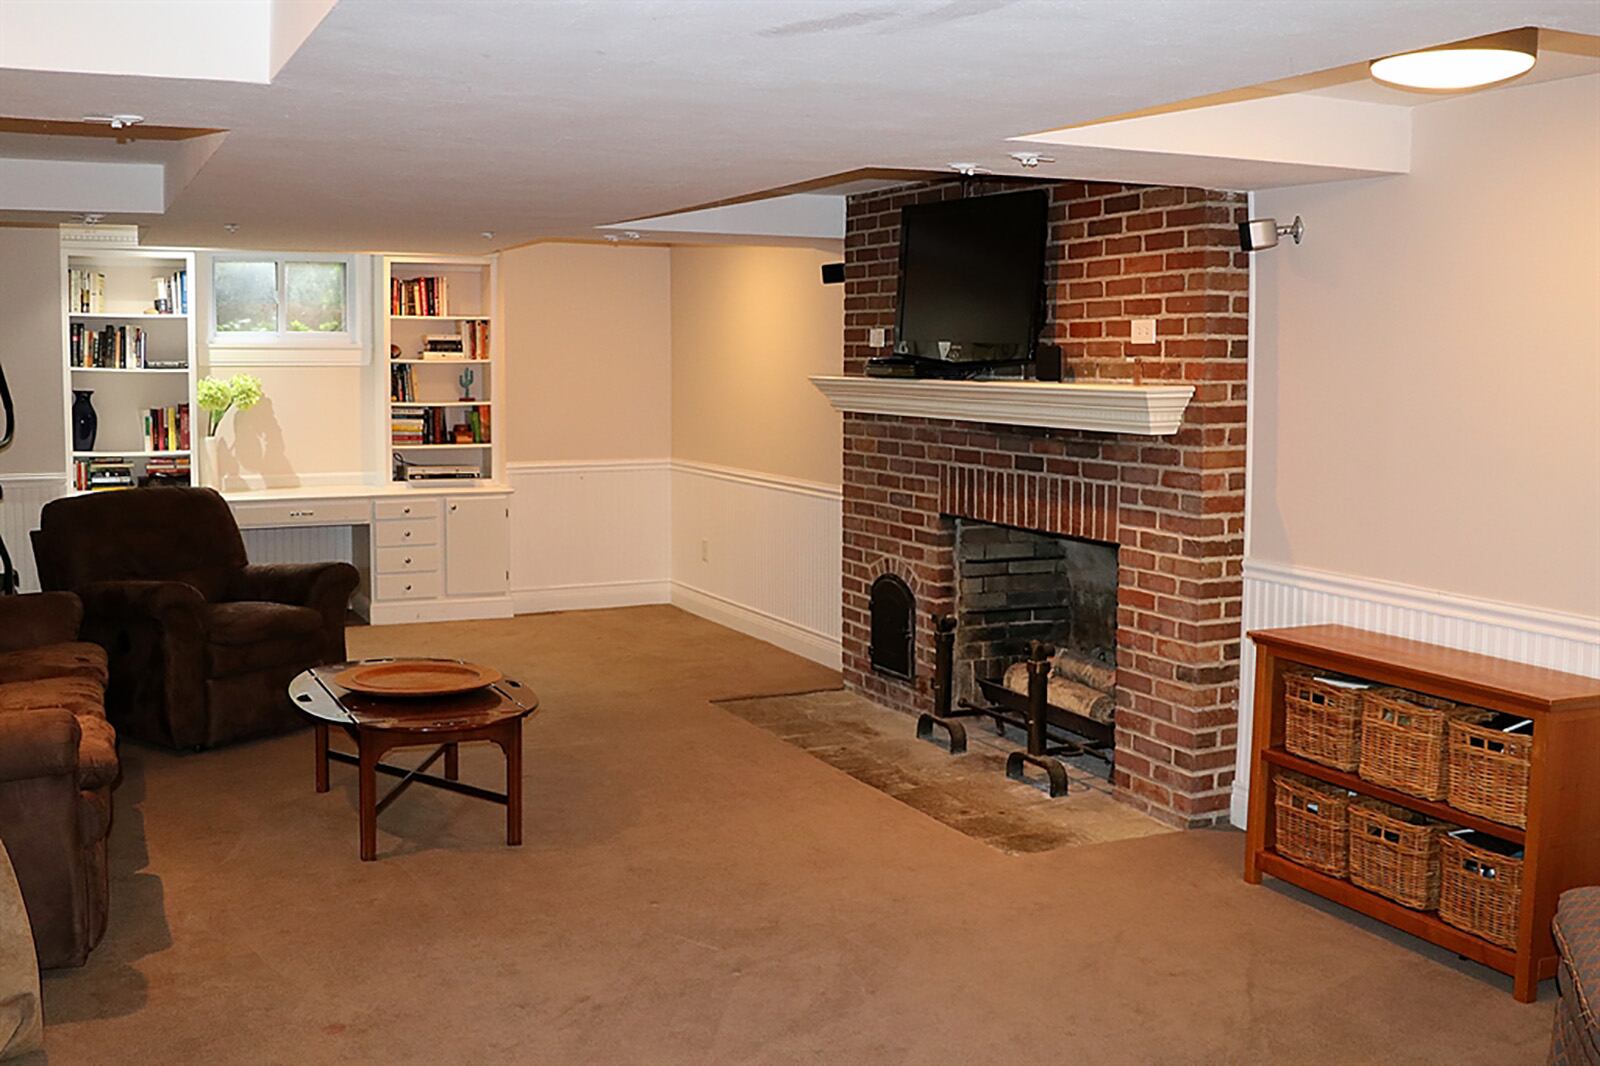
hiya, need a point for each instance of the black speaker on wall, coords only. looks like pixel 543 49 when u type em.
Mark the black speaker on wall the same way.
pixel 1047 362
pixel 833 273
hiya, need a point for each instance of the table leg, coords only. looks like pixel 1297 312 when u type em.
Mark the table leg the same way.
pixel 321 733
pixel 370 754
pixel 512 746
pixel 452 762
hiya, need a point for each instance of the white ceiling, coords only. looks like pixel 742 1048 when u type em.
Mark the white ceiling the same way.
pixel 418 125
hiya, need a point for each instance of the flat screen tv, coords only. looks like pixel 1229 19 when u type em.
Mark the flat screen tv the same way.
pixel 972 278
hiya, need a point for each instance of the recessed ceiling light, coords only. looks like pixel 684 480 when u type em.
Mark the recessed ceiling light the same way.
pixel 487 234
pixel 969 170
pixel 231 227
pixel 1031 159
pixel 1466 64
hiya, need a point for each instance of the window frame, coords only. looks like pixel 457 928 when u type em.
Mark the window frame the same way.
pixel 286 347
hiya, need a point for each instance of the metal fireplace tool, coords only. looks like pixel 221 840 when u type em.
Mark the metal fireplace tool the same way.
pixel 1031 713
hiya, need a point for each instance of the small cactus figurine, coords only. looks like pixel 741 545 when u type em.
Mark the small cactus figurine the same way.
pixel 465 381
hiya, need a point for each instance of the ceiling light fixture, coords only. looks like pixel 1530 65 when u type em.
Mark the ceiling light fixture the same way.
pixel 116 122
pixel 969 170
pixel 487 234
pixel 1031 159
pixel 1468 64
pixel 231 227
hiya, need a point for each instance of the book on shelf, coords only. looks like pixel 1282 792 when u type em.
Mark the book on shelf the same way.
pixel 432 425
pixel 172 293
pixel 108 348
pixel 166 429
pixel 167 470
pixel 428 296
pixel 86 291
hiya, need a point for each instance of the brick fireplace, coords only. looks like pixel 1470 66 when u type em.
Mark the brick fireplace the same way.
pixel 1173 506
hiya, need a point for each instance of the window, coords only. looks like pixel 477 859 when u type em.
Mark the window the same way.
pixel 304 302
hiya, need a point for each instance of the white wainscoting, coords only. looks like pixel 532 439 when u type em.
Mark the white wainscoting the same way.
pixel 760 554
pixel 590 534
pixel 25 495
pixel 1276 595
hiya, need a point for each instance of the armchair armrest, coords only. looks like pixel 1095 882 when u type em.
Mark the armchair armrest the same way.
pixel 315 585
pixel 39 618
pixel 174 605
pixel 154 634
pixel 38 743
pixel 323 587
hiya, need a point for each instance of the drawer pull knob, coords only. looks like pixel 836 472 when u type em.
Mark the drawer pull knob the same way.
pixel 408 560
pixel 405 510
pixel 408 534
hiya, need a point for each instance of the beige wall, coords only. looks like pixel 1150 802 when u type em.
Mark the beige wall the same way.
pixel 588 346
pixel 30 348
pixel 1427 387
pixel 749 326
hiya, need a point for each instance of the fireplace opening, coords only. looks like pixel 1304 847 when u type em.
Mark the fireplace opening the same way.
pixel 1015 586
pixel 893 614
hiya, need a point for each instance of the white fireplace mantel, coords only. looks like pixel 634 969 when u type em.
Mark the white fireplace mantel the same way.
pixel 1102 407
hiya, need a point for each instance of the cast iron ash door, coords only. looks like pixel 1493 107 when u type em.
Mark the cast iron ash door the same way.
pixel 894 630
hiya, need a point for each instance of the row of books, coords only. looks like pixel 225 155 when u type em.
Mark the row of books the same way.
pixel 111 472
pixel 432 425
pixel 166 429
pixel 86 291
pixel 99 474
pixel 172 293
pixel 469 341
pixel 119 347
pixel 419 296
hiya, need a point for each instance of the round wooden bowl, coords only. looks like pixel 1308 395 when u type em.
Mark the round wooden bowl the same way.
pixel 416 678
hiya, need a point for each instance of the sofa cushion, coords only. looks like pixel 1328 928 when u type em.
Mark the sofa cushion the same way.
pixel 75 659
pixel 83 697
pixel 254 635
pixel 1577 932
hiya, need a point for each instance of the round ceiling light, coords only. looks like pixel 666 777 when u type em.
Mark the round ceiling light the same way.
pixel 1467 64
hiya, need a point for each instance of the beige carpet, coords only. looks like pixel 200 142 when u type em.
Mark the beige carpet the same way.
pixel 695 890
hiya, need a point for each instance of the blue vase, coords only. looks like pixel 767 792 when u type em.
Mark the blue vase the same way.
pixel 85 423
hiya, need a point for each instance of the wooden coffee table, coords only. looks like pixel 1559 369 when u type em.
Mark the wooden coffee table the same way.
pixel 380 725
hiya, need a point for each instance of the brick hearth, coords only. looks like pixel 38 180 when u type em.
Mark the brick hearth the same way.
pixel 1174 505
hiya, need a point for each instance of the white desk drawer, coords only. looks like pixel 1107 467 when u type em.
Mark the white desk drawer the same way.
pixel 277 513
pixel 408 586
pixel 401 509
pixel 400 534
pixel 411 559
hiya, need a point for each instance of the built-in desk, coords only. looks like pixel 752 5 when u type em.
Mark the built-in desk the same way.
pixel 426 553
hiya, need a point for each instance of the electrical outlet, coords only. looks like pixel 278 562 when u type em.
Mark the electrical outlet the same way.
pixel 876 337
pixel 1144 331
pixel 705 551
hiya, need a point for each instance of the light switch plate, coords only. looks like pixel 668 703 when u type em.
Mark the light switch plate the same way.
pixel 1144 331
pixel 876 337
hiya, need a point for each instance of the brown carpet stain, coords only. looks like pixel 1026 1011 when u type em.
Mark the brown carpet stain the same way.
pixel 693 889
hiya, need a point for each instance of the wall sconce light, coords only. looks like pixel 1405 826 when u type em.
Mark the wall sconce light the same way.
pixel 1262 233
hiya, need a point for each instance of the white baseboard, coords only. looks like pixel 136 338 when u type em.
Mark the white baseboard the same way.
pixel 465 608
pixel 590 596
pixel 1277 595
pixel 818 647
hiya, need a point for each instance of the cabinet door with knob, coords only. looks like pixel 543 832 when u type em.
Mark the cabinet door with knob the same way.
pixel 477 546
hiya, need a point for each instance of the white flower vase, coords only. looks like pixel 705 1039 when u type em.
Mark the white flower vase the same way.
pixel 210 471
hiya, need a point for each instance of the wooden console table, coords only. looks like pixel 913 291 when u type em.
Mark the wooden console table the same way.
pixel 1561 844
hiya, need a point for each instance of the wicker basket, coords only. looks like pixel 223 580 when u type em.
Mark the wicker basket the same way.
pixel 1312 823
pixel 1395 853
pixel 1489 771
pixel 1402 739
pixel 1480 890
pixel 1322 721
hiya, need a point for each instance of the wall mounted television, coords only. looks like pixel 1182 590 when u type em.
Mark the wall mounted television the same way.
pixel 972 278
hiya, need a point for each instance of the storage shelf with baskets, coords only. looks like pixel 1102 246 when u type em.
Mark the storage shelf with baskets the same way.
pixel 1448 794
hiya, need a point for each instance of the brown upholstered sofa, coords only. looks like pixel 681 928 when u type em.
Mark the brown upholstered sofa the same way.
pixel 202 644
pixel 1576 1040
pixel 58 763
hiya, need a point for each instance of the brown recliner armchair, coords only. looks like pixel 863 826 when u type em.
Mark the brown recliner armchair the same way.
pixel 202 644
pixel 58 764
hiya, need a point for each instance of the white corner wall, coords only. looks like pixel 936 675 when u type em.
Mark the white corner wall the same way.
pixel 1425 446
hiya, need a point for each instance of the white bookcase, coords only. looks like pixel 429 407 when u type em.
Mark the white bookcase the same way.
pixel 464 302
pixel 123 393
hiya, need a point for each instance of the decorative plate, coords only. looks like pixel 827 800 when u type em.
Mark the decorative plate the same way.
pixel 414 678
